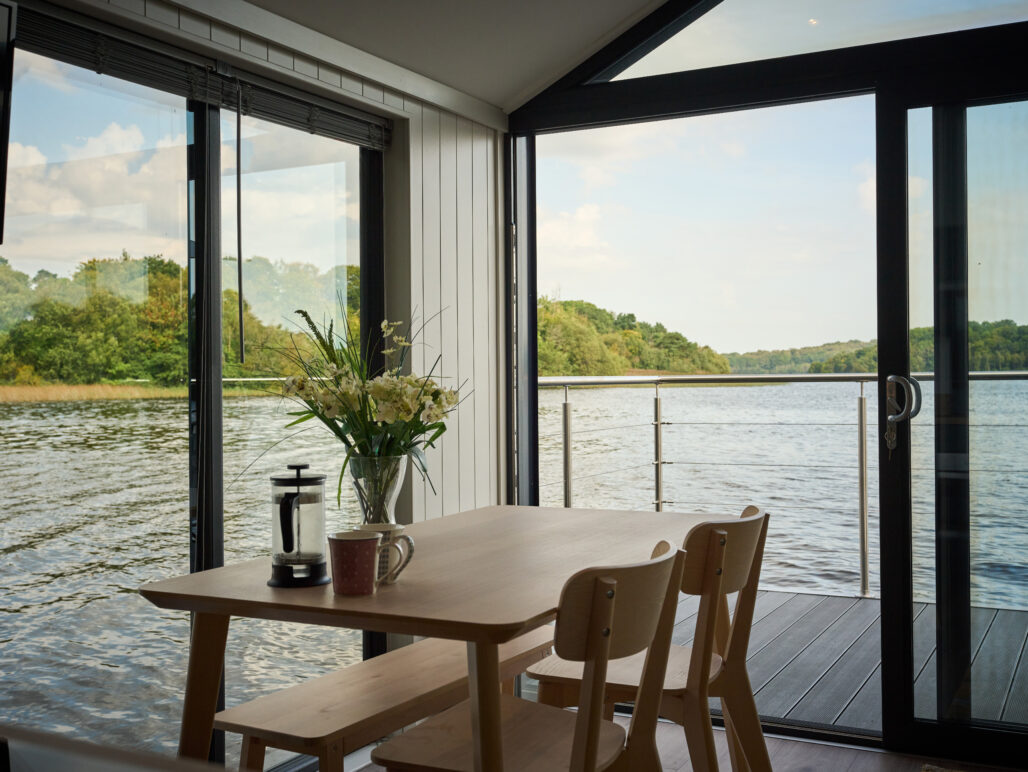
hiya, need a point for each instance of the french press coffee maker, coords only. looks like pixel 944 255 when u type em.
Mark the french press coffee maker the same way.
pixel 298 529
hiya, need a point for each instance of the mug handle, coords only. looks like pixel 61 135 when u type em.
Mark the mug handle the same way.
pixel 404 558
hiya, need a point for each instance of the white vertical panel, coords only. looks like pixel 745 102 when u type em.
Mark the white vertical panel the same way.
pixel 449 345
pixel 431 335
pixel 454 293
pixel 417 301
pixel 470 451
pixel 483 297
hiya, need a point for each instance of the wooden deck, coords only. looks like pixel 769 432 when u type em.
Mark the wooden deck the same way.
pixel 815 660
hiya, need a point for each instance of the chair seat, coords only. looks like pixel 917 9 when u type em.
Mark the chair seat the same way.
pixel 624 675
pixel 536 738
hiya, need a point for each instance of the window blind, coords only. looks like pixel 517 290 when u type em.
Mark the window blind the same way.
pixel 112 51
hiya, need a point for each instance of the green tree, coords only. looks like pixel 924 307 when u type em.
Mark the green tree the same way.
pixel 15 295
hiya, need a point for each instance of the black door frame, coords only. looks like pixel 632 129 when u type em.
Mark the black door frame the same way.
pixel 954 737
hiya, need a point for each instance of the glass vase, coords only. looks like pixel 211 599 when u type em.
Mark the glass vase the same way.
pixel 377 481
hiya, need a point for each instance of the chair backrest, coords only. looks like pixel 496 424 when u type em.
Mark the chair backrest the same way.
pixel 722 557
pixel 611 612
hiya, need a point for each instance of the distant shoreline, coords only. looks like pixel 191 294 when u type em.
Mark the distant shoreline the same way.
pixel 65 392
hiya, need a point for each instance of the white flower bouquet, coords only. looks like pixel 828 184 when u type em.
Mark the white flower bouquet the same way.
pixel 388 415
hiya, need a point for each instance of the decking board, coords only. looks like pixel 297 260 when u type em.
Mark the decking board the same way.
pixel 925 695
pixel 817 659
pixel 767 662
pixel 787 687
pixel 826 700
pixel 992 671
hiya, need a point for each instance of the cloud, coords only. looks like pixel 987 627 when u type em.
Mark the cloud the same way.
pixel 121 189
pixel 600 154
pixel 917 186
pixel 734 149
pixel 111 195
pixel 115 140
pixel 571 240
pixel 867 189
pixel 20 156
pixel 49 71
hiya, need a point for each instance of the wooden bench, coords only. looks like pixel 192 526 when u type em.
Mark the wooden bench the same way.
pixel 349 708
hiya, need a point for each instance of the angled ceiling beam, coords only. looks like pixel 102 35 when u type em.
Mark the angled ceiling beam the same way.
pixel 633 44
pixel 990 58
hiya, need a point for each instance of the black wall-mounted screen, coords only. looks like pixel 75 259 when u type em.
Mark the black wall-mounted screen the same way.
pixel 8 12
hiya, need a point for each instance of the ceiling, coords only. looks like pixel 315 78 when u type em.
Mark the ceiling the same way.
pixel 500 51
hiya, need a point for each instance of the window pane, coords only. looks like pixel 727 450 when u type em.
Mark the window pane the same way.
pixel 93 362
pixel 749 30
pixel 300 228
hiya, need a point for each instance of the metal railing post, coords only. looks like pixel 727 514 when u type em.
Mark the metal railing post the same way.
pixel 566 437
pixel 658 453
pixel 862 485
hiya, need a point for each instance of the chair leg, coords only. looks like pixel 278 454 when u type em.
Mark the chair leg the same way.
pixel 608 711
pixel 251 756
pixel 330 758
pixel 699 734
pixel 735 753
pixel 738 701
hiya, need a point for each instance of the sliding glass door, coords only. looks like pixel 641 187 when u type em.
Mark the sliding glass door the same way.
pixel 955 576
pixel 94 303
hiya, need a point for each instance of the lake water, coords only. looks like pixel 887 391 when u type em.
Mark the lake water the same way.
pixel 97 502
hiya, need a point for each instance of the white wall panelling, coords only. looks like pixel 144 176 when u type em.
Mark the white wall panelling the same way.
pixel 453 272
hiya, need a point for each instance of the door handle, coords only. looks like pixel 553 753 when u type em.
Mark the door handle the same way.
pixel 912 399
pixel 894 413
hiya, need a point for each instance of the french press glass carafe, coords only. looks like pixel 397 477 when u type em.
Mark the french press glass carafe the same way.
pixel 298 529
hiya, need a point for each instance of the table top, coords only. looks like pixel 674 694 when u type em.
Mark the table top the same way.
pixel 486 575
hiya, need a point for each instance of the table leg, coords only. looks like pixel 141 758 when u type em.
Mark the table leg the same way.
pixel 203 680
pixel 484 686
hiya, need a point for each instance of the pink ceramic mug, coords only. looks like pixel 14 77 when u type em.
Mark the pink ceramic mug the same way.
pixel 355 558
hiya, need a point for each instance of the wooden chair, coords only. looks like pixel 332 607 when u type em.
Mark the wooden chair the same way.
pixel 349 708
pixel 603 613
pixel 722 557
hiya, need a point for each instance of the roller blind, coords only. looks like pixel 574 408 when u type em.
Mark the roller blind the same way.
pixel 122 54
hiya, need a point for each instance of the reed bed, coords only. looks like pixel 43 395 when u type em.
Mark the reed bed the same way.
pixel 63 392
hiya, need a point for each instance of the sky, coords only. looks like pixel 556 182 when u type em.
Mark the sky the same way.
pixel 99 165
pixel 753 229
pixel 756 229
pixel 749 30
pixel 747 230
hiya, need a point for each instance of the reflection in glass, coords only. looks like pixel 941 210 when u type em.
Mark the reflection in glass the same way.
pixel 736 31
pixel 997 189
pixel 998 419
pixel 301 247
pixel 94 457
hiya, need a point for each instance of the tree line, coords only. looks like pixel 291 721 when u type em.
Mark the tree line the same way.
pixel 117 319
pixel 991 346
pixel 579 338
pixel 127 318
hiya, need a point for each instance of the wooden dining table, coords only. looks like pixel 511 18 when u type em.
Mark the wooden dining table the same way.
pixel 484 576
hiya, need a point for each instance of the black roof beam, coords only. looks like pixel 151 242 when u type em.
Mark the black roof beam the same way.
pixel 633 44
pixel 992 57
